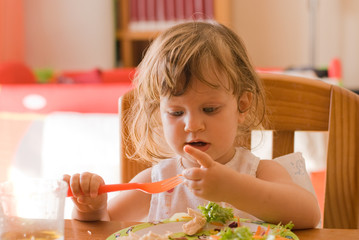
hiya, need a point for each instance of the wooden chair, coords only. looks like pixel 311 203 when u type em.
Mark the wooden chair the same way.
pixel 302 104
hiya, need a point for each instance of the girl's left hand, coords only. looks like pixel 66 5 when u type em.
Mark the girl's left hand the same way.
pixel 212 181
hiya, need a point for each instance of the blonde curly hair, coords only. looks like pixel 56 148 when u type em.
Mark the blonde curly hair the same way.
pixel 192 49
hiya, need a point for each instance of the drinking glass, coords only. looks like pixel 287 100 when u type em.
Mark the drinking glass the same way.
pixel 32 209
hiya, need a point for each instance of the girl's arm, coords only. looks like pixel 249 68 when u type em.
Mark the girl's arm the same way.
pixel 131 205
pixel 271 197
pixel 274 197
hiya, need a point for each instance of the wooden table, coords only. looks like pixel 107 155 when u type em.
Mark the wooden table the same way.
pixel 76 230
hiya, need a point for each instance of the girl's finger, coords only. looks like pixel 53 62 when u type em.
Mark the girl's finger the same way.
pixel 193 185
pixel 95 183
pixel 66 178
pixel 201 157
pixel 75 185
pixel 192 174
pixel 85 179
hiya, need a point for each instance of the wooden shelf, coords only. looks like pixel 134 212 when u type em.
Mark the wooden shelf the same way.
pixel 133 43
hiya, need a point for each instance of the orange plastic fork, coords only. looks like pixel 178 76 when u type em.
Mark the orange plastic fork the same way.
pixel 154 187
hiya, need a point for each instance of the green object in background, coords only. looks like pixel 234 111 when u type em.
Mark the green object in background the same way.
pixel 44 75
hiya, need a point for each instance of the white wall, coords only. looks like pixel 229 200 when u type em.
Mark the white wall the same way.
pixel 277 33
pixel 69 34
pixel 79 34
pixel 274 31
pixel 349 39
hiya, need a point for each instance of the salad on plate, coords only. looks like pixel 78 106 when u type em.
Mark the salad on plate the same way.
pixel 211 222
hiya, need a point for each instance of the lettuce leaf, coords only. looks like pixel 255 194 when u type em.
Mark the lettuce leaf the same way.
pixel 215 213
pixel 283 231
pixel 240 233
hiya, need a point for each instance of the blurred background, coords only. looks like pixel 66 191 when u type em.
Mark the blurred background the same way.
pixel 64 64
pixel 84 34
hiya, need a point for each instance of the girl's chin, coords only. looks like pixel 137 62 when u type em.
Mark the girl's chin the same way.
pixel 188 162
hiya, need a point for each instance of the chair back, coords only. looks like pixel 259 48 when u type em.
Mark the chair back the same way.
pixel 301 104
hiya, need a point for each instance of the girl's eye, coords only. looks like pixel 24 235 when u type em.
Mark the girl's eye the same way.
pixel 176 113
pixel 210 109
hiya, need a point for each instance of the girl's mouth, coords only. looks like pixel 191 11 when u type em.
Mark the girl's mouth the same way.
pixel 198 144
pixel 203 146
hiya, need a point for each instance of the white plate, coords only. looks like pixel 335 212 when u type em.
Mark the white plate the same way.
pixel 175 227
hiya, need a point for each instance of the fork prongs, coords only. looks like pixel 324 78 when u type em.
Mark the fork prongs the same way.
pixel 171 182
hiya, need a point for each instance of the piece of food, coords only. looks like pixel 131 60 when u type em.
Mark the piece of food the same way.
pixel 279 232
pixel 240 233
pixel 196 224
pixel 180 217
pixel 215 213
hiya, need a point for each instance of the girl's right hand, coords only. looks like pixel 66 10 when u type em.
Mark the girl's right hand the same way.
pixel 89 205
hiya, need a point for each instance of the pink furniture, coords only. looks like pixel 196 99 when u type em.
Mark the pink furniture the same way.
pixel 24 105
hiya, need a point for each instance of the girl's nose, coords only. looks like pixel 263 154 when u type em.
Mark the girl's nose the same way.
pixel 194 124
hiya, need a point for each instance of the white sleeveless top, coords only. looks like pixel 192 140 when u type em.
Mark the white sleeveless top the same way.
pixel 164 205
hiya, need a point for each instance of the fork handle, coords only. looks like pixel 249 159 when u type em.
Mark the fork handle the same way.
pixel 117 187
pixel 110 188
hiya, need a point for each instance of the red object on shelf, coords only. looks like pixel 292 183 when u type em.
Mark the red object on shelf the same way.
pixel 151 10
pixel 318 181
pixel 133 11
pixel 179 10
pixel 170 10
pixel 115 75
pixel 16 73
pixel 141 10
pixel 92 76
pixel 208 9
pixel 198 12
pixel 160 11
pixel 188 9
pixel 118 75
pixel 335 69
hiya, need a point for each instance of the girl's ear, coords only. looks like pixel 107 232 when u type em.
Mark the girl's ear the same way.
pixel 245 102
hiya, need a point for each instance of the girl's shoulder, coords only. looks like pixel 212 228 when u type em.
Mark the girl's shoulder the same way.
pixel 143 176
pixel 290 166
pixel 244 161
pixel 293 163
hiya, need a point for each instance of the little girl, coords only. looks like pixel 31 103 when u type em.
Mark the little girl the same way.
pixel 198 98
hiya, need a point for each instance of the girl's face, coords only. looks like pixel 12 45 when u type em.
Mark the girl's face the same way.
pixel 205 118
